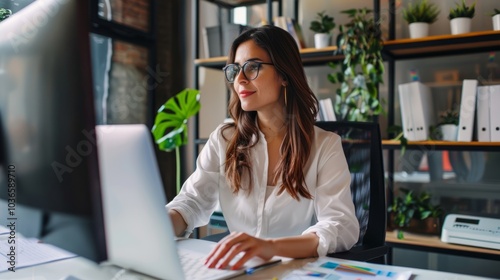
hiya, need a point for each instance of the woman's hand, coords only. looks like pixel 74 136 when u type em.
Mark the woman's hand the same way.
pixel 230 246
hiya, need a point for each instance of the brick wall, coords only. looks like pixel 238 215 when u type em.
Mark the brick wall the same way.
pixel 134 13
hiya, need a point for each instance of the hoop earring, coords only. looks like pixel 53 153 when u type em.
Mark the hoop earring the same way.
pixel 286 103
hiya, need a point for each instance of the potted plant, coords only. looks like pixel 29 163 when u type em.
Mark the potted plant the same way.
pixel 414 212
pixel 4 13
pixel 495 17
pixel 460 17
pixel 361 70
pixel 170 128
pixel 419 16
pixel 449 125
pixel 322 28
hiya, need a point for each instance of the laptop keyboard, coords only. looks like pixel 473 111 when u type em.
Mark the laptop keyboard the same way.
pixel 192 264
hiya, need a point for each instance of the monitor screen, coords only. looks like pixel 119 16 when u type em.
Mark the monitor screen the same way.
pixel 48 150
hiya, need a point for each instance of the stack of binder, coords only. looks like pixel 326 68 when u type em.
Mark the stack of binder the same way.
pixel 417 110
pixel 488 113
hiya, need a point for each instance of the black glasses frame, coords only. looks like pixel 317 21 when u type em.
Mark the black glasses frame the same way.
pixel 242 67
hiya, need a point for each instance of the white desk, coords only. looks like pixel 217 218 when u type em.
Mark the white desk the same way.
pixel 87 270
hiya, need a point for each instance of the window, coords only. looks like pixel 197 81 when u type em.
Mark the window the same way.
pixel 122 50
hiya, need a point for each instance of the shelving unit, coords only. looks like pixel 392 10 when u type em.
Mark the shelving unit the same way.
pixel 425 48
pixel 443 145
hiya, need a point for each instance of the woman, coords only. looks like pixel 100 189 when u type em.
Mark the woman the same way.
pixel 281 182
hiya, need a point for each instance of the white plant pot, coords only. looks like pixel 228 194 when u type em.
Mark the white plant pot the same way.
pixel 449 132
pixel 321 40
pixel 496 22
pixel 418 29
pixel 460 25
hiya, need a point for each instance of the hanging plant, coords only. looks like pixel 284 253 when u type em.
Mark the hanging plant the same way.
pixel 360 73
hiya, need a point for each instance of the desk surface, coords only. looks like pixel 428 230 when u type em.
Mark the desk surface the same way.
pixel 434 244
pixel 84 269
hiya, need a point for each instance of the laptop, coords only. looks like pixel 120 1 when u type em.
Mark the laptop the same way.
pixel 139 233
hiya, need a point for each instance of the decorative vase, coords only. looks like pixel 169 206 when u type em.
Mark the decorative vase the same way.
pixel 449 132
pixel 435 162
pixel 321 40
pixel 460 25
pixel 496 22
pixel 418 29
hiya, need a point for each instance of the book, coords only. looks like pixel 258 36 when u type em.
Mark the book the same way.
pixel 300 35
pixel 291 29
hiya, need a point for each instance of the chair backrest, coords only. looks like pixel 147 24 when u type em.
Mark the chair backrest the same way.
pixel 362 145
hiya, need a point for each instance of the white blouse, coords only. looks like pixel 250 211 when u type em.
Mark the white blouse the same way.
pixel 330 214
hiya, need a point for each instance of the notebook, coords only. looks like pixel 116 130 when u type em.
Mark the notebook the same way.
pixel 139 233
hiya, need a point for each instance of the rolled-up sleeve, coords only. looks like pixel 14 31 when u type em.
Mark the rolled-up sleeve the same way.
pixel 337 226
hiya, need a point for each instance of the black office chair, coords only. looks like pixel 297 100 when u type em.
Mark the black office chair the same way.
pixel 363 150
pixel 362 145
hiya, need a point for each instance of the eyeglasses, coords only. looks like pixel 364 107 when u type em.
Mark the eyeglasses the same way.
pixel 250 70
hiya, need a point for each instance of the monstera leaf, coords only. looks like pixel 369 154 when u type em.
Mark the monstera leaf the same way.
pixel 170 128
pixel 5 13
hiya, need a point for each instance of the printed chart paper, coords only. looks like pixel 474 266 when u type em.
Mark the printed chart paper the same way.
pixel 334 269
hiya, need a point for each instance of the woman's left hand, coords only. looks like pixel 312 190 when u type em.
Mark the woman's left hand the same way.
pixel 230 246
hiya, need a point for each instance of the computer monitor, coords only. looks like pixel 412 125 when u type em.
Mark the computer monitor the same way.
pixel 47 125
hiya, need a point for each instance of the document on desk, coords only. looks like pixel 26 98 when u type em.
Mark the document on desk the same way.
pixel 337 269
pixel 4 230
pixel 28 252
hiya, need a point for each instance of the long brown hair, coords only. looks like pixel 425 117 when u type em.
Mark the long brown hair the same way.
pixel 301 110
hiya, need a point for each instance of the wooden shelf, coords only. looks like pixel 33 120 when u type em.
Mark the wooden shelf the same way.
pixel 443 145
pixel 442 45
pixel 434 244
pixel 236 3
pixel 310 56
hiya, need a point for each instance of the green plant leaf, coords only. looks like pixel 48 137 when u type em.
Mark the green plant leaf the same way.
pixel 362 67
pixel 323 24
pixel 421 11
pixel 170 127
pixel 4 13
pixel 462 10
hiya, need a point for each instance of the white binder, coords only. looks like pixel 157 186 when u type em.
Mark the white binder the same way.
pixel 406 114
pixel 495 113
pixel 483 114
pixel 467 109
pixel 422 109
pixel 330 113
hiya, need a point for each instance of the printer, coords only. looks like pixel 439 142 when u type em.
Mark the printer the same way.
pixel 471 231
